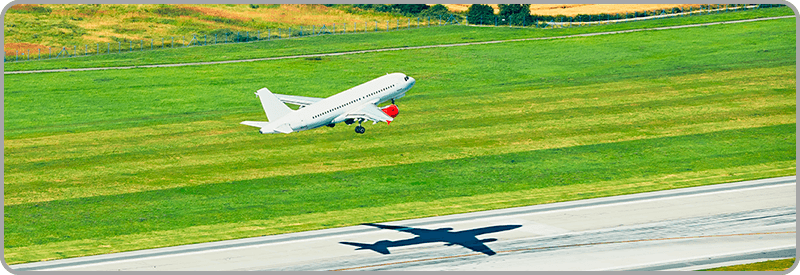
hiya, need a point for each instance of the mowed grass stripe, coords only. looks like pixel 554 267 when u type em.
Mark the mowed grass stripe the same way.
pixel 522 106
pixel 593 167
pixel 311 221
pixel 516 102
pixel 116 166
pixel 168 95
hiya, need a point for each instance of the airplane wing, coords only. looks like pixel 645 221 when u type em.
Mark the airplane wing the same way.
pixel 298 100
pixel 370 112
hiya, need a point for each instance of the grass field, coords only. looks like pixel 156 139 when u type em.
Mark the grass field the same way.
pixel 777 265
pixel 361 41
pixel 108 161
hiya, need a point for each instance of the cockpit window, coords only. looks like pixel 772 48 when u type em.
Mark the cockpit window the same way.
pixel 406 78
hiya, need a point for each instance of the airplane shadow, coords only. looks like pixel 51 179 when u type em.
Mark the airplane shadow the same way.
pixel 467 238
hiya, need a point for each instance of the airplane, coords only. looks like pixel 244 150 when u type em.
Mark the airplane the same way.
pixel 357 104
pixel 466 238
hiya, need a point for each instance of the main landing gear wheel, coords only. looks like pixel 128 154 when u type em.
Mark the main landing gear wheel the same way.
pixel 360 129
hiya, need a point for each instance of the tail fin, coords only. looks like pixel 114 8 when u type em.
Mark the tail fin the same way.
pixel 273 107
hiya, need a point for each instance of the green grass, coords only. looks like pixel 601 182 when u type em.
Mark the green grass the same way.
pixel 777 265
pixel 109 161
pixel 361 41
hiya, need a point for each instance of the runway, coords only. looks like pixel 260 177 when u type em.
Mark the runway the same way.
pixel 680 229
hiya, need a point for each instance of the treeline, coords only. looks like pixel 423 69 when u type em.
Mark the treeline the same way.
pixel 410 10
pixel 519 14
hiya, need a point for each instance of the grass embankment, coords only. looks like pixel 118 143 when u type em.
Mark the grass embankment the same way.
pixel 777 265
pixel 362 41
pixel 33 26
pixel 108 161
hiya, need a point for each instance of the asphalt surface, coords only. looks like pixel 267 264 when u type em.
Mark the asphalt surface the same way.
pixel 390 49
pixel 680 229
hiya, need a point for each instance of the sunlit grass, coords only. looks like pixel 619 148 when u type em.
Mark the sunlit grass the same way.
pixel 776 265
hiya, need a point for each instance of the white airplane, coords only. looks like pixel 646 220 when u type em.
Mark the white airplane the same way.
pixel 357 104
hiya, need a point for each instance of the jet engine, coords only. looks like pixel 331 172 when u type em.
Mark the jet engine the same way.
pixel 391 110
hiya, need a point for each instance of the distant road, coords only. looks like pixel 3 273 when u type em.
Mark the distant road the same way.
pixel 393 49
pixel 680 229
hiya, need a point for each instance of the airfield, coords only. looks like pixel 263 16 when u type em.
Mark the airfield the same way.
pixel 681 229
pixel 147 168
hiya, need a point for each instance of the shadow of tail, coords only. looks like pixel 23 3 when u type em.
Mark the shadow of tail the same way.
pixel 374 247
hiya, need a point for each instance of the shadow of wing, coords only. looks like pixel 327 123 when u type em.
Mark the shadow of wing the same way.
pixel 490 229
pixel 478 246
pixel 392 227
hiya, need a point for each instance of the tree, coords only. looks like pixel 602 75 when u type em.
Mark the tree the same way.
pixel 479 13
pixel 410 8
pixel 511 9
pixel 436 10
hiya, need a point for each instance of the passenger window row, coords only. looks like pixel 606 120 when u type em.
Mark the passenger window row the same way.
pixel 354 101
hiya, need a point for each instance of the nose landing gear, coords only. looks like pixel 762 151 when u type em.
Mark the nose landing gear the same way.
pixel 360 129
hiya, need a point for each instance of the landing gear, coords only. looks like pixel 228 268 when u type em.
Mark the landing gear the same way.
pixel 393 101
pixel 360 129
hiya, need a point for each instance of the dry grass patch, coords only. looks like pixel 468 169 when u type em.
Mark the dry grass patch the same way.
pixel 216 12
pixel 51 24
pixel 13 48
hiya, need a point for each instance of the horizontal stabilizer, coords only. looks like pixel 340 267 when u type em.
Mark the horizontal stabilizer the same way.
pixel 284 128
pixel 269 128
pixel 259 124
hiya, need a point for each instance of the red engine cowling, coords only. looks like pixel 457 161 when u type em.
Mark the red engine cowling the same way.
pixel 391 110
